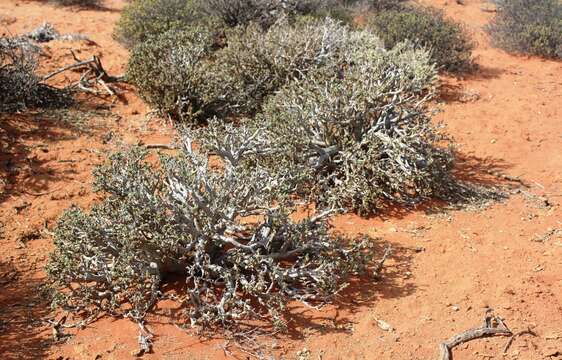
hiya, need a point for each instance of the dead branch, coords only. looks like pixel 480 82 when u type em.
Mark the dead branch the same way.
pixel 63 69
pixel 493 326
pixel 161 146
pixel 92 75
pixel 524 332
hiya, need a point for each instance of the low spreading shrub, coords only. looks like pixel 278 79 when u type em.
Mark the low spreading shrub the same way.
pixel 170 74
pixel 143 19
pixel 320 110
pixel 528 26
pixel 240 257
pixel 352 135
pixel 20 86
pixel 380 5
pixel 242 12
pixel 451 47
pixel 176 74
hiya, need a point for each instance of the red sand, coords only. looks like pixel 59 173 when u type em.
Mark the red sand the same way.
pixel 507 117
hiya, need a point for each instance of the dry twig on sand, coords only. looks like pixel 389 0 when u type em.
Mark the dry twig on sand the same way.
pixel 93 75
pixel 493 326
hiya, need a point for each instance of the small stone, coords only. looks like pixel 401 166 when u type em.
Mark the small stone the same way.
pixel 455 308
pixel 384 325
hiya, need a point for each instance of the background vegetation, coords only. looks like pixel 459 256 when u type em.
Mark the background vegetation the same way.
pixel 528 26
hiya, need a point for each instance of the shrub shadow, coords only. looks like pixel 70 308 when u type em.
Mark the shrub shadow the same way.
pixel 17 161
pixel 362 293
pixel 475 182
pixel 23 334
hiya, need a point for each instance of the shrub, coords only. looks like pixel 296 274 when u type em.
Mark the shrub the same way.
pixel 380 5
pixel 236 79
pixel 266 12
pixel 356 136
pixel 242 12
pixel 143 19
pixel 185 219
pixel 19 84
pixel 451 47
pixel 169 72
pixel 528 26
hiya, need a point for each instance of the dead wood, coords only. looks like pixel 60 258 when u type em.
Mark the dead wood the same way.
pixel 524 332
pixel 93 75
pixel 493 326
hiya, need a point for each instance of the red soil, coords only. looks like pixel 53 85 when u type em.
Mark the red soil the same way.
pixel 446 269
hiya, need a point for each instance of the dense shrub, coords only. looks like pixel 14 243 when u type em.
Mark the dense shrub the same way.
pixel 353 136
pixel 20 86
pixel 149 18
pixel 528 26
pixel 183 219
pixel 169 72
pixel 241 12
pixel 379 5
pixel 143 19
pixel 450 46
pixel 174 76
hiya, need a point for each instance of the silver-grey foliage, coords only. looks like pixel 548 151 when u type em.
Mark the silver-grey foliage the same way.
pixel 355 133
pixel 241 257
pixel 184 76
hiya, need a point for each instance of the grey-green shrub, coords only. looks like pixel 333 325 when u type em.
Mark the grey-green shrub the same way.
pixel 528 26
pixel 451 47
pixel 380 5
pixel 143 19
pixel 234 80
pixel 170 73
pixel 86 3
pixel 353 134
pixel 183 219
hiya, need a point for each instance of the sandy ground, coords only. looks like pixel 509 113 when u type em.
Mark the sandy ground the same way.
pixel 447 268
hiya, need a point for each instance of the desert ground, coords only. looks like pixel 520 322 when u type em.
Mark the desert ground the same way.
pixel 447 267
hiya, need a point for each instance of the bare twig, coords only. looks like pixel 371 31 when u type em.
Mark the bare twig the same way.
pixel 65 68
pixel 94 74
pixel 160 146
pixel 528 331
pixel 493 326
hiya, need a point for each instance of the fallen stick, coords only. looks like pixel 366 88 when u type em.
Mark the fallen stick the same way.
pixel 524 332
pixel 487 330
pixel 94 74
pixel 160 146
pixel 63 69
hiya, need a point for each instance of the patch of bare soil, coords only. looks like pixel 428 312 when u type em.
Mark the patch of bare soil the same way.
pixel 447 268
